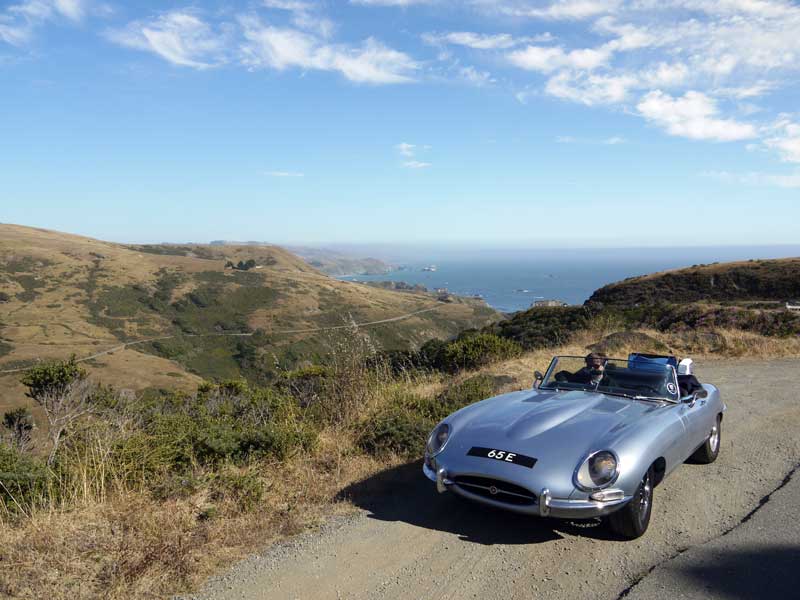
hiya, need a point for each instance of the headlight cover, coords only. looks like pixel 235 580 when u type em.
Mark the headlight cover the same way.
pixel 438 439
pixel 598 470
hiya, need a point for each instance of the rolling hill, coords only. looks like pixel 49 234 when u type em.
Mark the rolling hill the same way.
pixel 221 311
pixel 774 280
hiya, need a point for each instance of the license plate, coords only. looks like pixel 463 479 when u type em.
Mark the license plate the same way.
pixel 503 456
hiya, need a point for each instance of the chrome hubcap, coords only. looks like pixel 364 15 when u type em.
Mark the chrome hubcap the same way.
pixel 713 439
pixel 645 492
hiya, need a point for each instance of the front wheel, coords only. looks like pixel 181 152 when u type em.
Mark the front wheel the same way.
pixel 632 521
pixel 708 452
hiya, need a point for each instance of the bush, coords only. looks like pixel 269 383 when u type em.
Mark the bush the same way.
pixel 306 385
pixel 404 425
pixel 25 481
pixel 395 430
pixel 477 351
pixel 243 488
pixel 52 378
pixel 211 441
pixel 546 326
pixel 471 350
pixel 20 424
pixel 456 396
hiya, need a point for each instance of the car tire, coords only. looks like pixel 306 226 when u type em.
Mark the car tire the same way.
pixel 708 452
pixel 631 521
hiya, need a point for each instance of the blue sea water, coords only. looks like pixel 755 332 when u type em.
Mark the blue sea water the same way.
pixel 510 280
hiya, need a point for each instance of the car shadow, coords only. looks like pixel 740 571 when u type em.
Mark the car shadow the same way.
pixel 745 573
pixel 403 494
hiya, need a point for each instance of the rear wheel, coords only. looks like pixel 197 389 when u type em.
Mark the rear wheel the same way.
pixel 708 452
pixel 631 521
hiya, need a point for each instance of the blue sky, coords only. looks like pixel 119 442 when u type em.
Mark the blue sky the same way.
pixel 504 123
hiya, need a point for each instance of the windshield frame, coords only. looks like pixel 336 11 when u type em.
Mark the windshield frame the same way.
pixel 553 385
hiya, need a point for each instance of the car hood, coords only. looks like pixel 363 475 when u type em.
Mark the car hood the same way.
pixel 556 428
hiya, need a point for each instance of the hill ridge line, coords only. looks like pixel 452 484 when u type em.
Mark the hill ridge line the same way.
pixel 250 334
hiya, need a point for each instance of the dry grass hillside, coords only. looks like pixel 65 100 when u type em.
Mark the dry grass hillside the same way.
pixel 767 281
pixel 63 294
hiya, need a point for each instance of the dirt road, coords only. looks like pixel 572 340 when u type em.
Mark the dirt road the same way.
pixel 126 345
pixel 417 544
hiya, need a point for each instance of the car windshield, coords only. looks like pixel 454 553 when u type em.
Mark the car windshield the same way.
pixel 640 378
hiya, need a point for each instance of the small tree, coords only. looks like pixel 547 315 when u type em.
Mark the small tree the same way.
pixel 63 390
pixel 20 423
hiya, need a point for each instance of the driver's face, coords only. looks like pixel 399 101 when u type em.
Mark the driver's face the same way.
pixel 595 363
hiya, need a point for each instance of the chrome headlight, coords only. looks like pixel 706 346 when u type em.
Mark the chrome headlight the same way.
pixel 438 439
pixel 597 471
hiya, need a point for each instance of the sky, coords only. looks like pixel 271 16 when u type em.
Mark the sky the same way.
pixel 520 123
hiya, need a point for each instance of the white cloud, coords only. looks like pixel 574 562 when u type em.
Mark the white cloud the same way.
pixel 590 89
pixel 282 48
pixel 16 35
pixel 18 22
pixel 72 9
pixel 546 59
pixel 482 41
pixel 409 153
pixel 284 174
pixel 405 149
pixel 304 16
pixel 390 2
pixel 473 76
pixel 181 38
pixel 665 75
pixel 559 10
pixel 611 141
pixel 786 140
pixel 754 90
pixel 694 116
pixel 789 181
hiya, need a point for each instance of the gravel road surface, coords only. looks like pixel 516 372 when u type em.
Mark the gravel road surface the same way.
pixel 418 544
pixel 758 559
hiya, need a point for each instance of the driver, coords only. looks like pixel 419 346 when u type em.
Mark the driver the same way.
pixel 594 370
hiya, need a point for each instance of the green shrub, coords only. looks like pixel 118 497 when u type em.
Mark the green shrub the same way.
pixel 457 396
pixel 477 351
pixel 25 481
pixel 53 377
pixel 244 489
pixel 403 426
pixel 395 430
pixel 472 350
pixel 546 326
pixel 228 422
pixel 306 385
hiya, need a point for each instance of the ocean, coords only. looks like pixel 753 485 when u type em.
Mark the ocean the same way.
pixel 510 280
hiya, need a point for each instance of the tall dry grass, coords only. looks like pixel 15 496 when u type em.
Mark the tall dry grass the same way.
pixel 103 533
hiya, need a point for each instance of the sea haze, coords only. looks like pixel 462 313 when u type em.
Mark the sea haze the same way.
pixel 510 280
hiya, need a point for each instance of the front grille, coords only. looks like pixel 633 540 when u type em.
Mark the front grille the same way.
pixel 494 489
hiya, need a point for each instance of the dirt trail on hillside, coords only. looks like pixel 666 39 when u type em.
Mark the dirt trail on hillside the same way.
pixel 418 544
pixel 126 345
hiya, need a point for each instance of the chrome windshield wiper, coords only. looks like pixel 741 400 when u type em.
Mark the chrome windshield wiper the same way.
pixel 651 398
pixel 621 394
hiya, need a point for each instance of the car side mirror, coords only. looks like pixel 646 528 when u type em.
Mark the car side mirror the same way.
pixel 538 378
pixel 692 398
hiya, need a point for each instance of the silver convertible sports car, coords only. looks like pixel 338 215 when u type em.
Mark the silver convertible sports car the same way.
pixel 593 438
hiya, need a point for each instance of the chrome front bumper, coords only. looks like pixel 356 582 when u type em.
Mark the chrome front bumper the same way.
pixel 545 506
